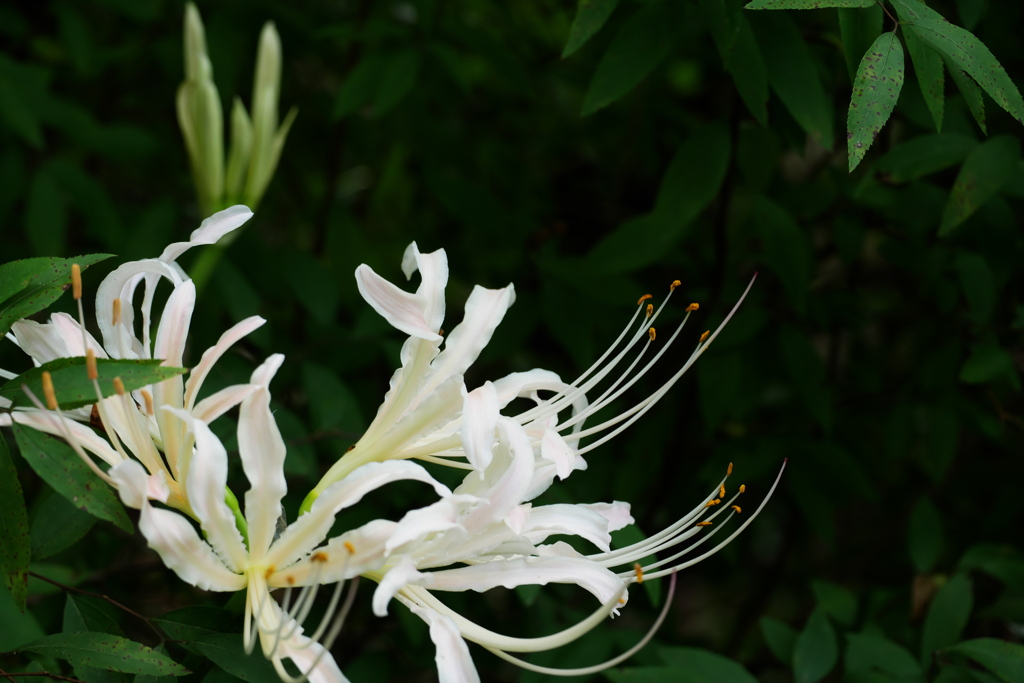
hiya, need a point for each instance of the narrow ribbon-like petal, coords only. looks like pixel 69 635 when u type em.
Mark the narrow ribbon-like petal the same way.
pixel 454 664
pixel 214 353
pixel 479 421
pixel 405 311
pixel 403 573
pixel 209 231
pixel 433 268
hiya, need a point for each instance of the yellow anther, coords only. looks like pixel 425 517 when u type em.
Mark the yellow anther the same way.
pixel 116 312
pixel 675 283
pixel 290 579
pixel 743 487
pixel 90 364
pixel 267 574
pixel 639 572
pixel 652 334
pixel 119 386
pixel 148 399
pixel 703 524
pixel 721 490
pixel 704 336
pixel 728 470
pixel 713 502
pixel 737 508
pixel 350 548
pixel 76 281
pixel 440 332
pixel 644 298
pixel 650 310
pixel 622 601
pixel 692 307
pixel 48 393
pixel 318 557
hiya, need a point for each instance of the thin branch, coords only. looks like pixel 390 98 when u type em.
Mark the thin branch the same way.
pixel 10 675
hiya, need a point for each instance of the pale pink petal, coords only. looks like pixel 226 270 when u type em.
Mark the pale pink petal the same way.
pixel 207 479
pixel 554 449
pixel 518 518
pixel 484 311
pixel 433 268
pixel 172 536
pixel 521 571
pixel 214 353
pixel 215 405
pixel 431 520
pixel 396 578
pixel 344 557
pixel 518 384
pixel 210 231
pixel 262 451
pixel 479 422
pixel 515 464
pixel 403 310
pixel 309 530
pixel 569 520
pixel 454 664
pixel 616 513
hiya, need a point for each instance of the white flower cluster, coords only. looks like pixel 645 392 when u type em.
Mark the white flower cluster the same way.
pixel 165 461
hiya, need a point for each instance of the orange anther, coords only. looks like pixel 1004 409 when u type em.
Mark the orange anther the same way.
pixel 712 503
pixel 728 471
pixel 116 313
pixel 148 400
pixel 692 307
pixel 76 281
pixel 737 508
pixel 703 524
pixel 704 336
pixel 639 572
pixel 90 364
pixel 48 392
pixel 743 487
pixel 675 283
pixel 319 557
pixel 119 386
pixel 267 574
pixel 350 548
pixel 644 298
pixel 290 579
pixel 650 310
pixel 721 490
pixel 652 334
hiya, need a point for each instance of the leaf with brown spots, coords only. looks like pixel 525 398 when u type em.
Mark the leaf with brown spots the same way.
pixel 875 92
pixel 103 651
pixel 807 4
pixel 983 174
pixel 30 285
pixel 930 75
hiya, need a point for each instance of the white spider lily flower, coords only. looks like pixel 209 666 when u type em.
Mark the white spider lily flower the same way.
pixel 484 535
pixel 261 561
pixel 138 424
pixel 421 416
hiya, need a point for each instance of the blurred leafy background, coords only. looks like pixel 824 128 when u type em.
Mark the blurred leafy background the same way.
pixel 879 353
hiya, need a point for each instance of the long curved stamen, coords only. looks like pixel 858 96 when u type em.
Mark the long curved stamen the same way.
pixel 336 626
pixel 53 413
pixel 596 668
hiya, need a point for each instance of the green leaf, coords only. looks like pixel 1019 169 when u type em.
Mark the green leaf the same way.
pixel 640 45
pixel 983 174
pixel 196 622
pixel 868 655
pixel 30 285
pixel 840 603
pixel 701 665
pixel 86 613
pixel 590 17
pixel 947 616
pixel 73 387
pixel 57 526
pixel 103 651
pixel 816 651
pixel 793 74
pixel 875 92
pixel 333 405
pixel 988 362
pixel 781 638
pixel 787 249
pixel 226 651
pixel 925 535
pixel 1005 660
pixel 690 183
pixel 59 466
pixel 978 285
pixel 970 91
pixel 930 75
pixel 858 28
pixel 397 79
pixel 741 56
pixel 806 4
pixel 924 155
pixel 17 113
pixel 14 539
pixel 966 51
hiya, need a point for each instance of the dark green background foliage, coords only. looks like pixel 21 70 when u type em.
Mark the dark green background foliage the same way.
pixel 880 349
